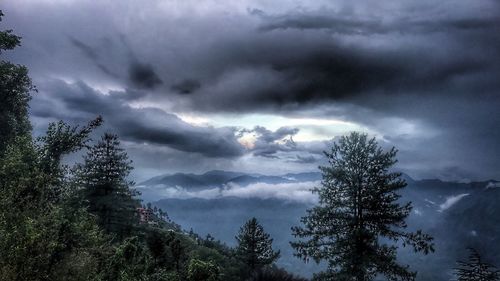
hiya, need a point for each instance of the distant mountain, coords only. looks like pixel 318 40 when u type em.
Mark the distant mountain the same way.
pixel 154 188
pixel 208 179
pixel 458 215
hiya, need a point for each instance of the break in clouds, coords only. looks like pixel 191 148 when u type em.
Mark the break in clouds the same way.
pixel 422 77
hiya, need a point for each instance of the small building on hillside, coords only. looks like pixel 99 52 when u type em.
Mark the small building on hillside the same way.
pixel 145 215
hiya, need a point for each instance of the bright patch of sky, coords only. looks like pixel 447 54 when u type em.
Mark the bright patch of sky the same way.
pixel 311 129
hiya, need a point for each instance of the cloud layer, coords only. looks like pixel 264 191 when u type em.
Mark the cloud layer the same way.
pixel 418 75
pixel 296 192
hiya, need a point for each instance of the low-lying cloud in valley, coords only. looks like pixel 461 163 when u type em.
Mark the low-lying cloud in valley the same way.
pixel 293 192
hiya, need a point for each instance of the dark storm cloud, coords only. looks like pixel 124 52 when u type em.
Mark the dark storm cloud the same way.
pixel 79 102
pixel 286 61
pixel 304 159
pixel 143 76
pixel 92 55
pixel 268 143
pixel 268 136
pixel 289 69
pixel 140 75
pixel 353 25
pixel 187 86
pixel 86 49
pixel 279 144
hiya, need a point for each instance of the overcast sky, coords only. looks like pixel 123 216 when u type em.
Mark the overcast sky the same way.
pixel 264 86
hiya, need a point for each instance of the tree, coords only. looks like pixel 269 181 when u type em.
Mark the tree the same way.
pixel 59 140
pixel 475 269
pixel 255 246
pixel 178 254
pixel 129 262
pixel 42 236
pixel 158 241
pixel 103 176
pixel 15 89
pixel 358 219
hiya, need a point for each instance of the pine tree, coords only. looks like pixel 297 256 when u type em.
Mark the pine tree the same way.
pixel 178 254
pixel 358 207
pixel 106 188
pixel 475 269
pixel 255 246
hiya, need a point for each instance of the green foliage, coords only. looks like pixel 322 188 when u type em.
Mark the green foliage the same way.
pixel 164 275
pixel 130 261
pixel 202 271
pixel 39 239
pixel 358 205
pixel 255 246
pixel 42 236
pixel 61 139
pixel 475 269
pixel 15 88
pixel 8 41
pixel 158 242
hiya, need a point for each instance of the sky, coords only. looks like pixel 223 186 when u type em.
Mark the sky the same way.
pixel 267 86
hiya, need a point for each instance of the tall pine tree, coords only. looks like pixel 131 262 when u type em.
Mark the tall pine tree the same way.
pixel 103 176
pixel 255 246
pixel 475 269
pixel 358 220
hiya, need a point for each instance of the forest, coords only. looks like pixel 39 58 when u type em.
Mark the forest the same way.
pixel 85 220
